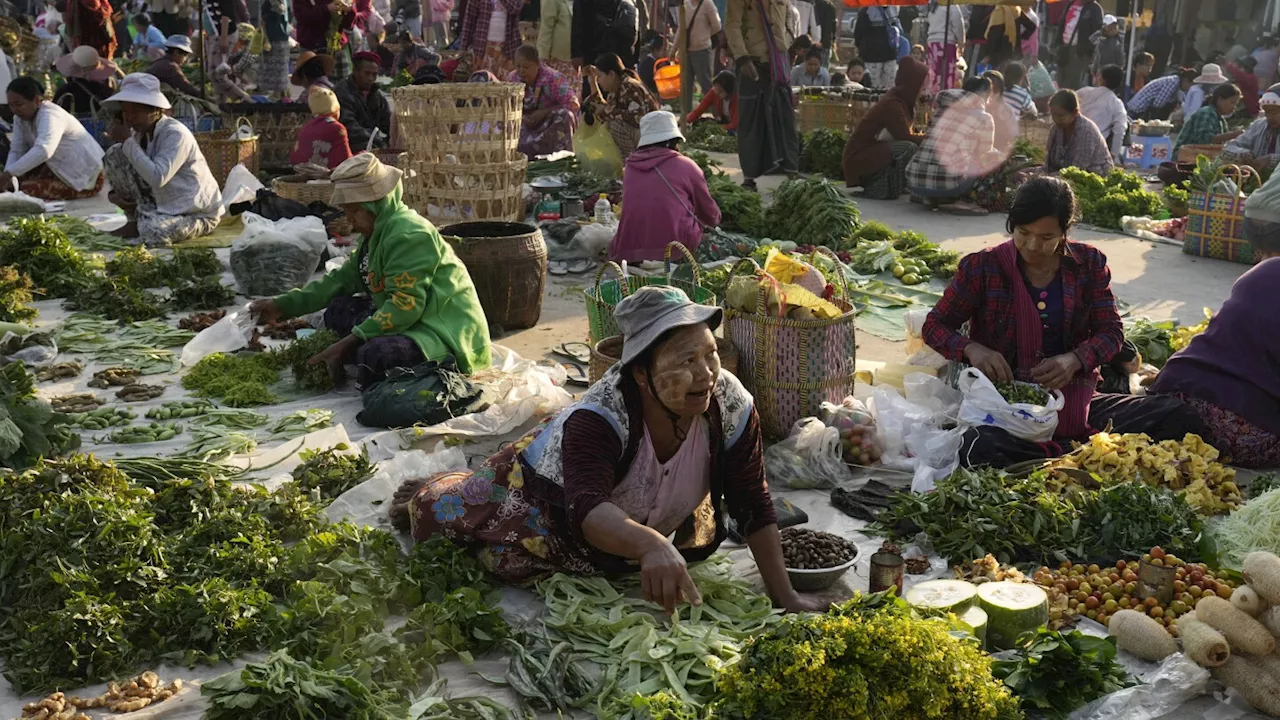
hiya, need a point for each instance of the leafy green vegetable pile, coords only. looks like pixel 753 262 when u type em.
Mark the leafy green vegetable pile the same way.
pixel 877 248
pixel 29 428
pixel 868 658
pixel 1176 198
pixel 741 210
pixel 814 211
pixel 296 354
pixel 332 471
pixel 108 568
pixel 1104 201
pixel 236 380
pixel 1022 393
pixel 711 137
pixel 981 510
pixel 43 252
pixel 1154 340
pixel 822 152
pixel 15 296
pixel 1029 150
pixel 1054 673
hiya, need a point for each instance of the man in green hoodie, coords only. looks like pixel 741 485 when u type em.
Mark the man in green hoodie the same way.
pixel 421 302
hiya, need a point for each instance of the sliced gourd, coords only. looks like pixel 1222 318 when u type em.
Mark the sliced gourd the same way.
pixel 939 597
pixel 976 618
pixel 1012 609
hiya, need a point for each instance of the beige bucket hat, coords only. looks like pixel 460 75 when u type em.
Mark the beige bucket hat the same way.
pixel 363 178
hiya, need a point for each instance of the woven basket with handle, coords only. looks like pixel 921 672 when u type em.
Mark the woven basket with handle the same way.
pixel 224 149
pixel 793 366
pixel 604 296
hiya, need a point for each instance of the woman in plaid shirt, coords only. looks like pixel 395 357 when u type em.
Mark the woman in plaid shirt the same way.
pixel 959 150
pixel 1040 309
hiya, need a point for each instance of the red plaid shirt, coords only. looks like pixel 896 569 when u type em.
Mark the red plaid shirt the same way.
pixel 982 295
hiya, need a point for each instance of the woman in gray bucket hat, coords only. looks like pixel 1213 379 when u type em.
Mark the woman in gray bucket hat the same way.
pixel 637 475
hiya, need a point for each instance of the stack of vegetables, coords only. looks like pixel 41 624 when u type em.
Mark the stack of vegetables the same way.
pixel 822 152
pixel 1104 201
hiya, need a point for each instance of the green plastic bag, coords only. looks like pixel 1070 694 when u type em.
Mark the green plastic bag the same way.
pixel 424 395
pixel 596 150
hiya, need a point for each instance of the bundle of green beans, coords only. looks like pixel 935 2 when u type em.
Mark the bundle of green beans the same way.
pixel 85 236
pixel 548 677
pixel 155 432
pixel 146 359
pixel 180 409
pixel 297 424
pixel 156 334
pixel 102 418
pixel 212 443
pixel 233 418
pixel 83 333
pixel 158 470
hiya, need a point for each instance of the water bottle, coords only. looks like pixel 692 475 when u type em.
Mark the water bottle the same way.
pixel 603 209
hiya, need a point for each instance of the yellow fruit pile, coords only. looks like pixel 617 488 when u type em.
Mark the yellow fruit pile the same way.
pixel 1184 333
pixel 1189 466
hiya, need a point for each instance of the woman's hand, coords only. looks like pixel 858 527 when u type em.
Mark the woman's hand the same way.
pixel 1055 372
pixel 265 309
pixel 117 132
pixel 991 363
pixel 334 357
pixel 664 578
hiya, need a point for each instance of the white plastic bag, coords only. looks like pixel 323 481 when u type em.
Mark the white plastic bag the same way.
pixel 984 405
pixel 920 353
pixel 229 334
pixel 912 437
pixel 1175 681
pixel 274 256
pixel 241 186
pixel 810 457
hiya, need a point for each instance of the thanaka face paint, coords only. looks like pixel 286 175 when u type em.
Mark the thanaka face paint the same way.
pixel 685 369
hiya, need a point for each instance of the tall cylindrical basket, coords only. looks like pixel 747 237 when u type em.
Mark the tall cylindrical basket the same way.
pixel 508 265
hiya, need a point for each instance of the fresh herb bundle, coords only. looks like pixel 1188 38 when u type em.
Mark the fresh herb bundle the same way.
pixel 332 471
pixel 29 428
pixel 813 211
pixel 139 267
pixel 297 354
pixel 741 210
pixel 115 298
pixel 44 253
pixel 15 296
pixel 207 293
pixel 823 153
pixel 284 688
pixel 1054 673
pixel 238 380
pixel 711 137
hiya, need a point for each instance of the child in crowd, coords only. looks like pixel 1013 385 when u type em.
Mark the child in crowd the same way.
pixel 1016 94
pixel 654 49
pixel 855 71
pixel 721 102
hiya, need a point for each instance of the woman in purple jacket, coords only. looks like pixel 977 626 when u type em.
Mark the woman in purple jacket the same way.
pixel 665 196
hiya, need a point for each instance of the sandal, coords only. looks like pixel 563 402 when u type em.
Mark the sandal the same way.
pixel 577 375
pixel 558 267
pixel 581 265
pixel 577 351
pixel 749 184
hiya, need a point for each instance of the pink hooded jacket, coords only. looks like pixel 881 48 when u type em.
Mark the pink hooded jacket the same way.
pixel 654 214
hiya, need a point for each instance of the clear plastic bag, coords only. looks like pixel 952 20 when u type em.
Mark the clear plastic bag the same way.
pixel 241 186
pixel 229 334
pixel 810 457
pixel 912 438
pixel 1163 690
pixel 275 256
pixel 984 405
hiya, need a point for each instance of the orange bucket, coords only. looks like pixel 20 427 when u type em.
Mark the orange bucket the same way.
pixel 666 75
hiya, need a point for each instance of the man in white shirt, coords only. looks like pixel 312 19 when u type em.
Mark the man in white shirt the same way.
pixel 51 155
pixel 1102 105
pixel 808 20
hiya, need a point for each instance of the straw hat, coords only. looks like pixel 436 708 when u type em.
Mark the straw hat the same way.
pixel 303 59
pixel 179 42
pixel 1211 74
pixel 141 88
pixel 322 101
pixel 658 126
pixel 362 178
pixel 84 62
pixel 644 315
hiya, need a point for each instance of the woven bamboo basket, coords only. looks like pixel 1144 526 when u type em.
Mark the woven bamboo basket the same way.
pixel 277 126
pixel 793 366
pixel 223 150
pixel 508 264
pixel 924 114
pixel 606 353
pixel 603 297
pixel 306 191
pixel 462 123
pixel 1189 153
pixel 1035 131
pixel 452 192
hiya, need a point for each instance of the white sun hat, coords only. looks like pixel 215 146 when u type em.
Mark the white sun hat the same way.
pixel 141 88
pixel 658 126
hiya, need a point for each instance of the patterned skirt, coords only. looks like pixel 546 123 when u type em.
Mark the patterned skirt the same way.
pixel 551 135
pixel 375 356
pixel 42 183
pixel 489 511
pixel 274 77
pixel 1246 444
pixel 890 183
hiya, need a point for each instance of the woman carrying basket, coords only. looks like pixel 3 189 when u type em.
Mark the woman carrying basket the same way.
pixel 639 476
pixel 1040 309
pixel 402 296
pixel 667 195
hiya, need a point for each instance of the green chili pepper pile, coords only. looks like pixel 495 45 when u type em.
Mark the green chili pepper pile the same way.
pixel 1018 392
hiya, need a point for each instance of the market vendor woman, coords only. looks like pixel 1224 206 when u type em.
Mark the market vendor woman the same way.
pixel 1040 309
pixel 638 475
pixel 402 296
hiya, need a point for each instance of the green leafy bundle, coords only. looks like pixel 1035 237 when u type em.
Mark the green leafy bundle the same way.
pixel 741 210
pixel 823 153
pixel 1054 673
pixel 44 253
pixel 1154 340
pixel 1176 198
pixel 863 663
pixel 977 511
pixel 1104 201
pixel 116 298
pixel 711 137
pixel 139 267
pixel 29 428
pixel 1029 150
pixel 332 471
pixel 207 293
pixel 238 380
pixel 296 355
pixel 281 687
pixel 15 296
pixel 812 211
